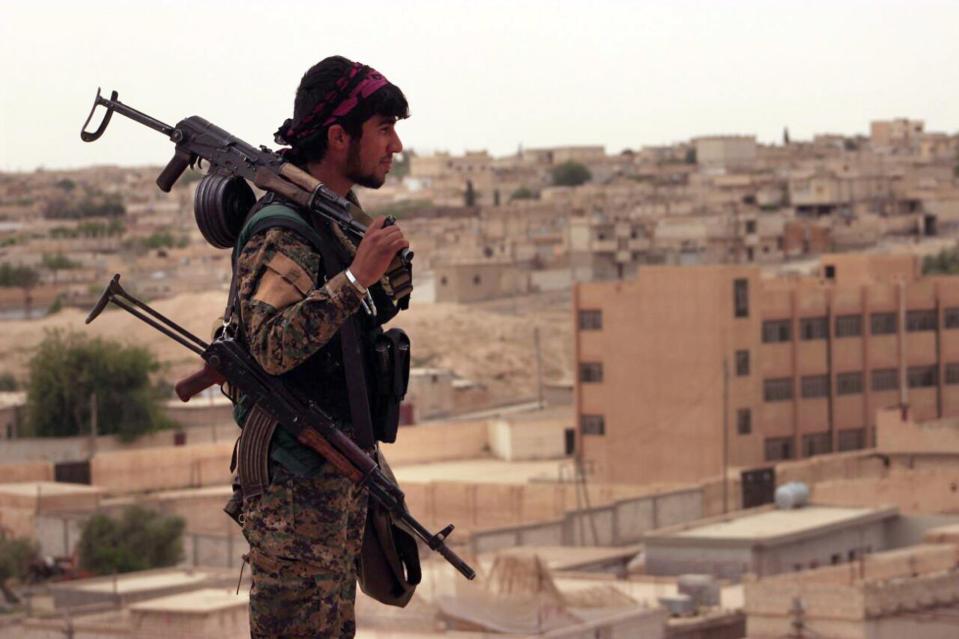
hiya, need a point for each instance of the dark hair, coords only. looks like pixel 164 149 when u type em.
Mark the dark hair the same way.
pixel 317 84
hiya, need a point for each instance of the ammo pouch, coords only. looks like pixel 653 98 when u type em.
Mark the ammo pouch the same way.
pixel 391 372
pixel 389 562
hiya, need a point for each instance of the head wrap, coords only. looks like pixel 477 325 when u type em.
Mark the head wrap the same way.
pixel 358 83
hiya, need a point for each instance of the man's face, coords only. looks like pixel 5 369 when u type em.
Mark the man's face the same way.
pixel 370 157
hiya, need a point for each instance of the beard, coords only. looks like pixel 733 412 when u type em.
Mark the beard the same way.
pixel 355 172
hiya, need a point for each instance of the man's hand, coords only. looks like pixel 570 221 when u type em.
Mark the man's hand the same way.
pixel 376 250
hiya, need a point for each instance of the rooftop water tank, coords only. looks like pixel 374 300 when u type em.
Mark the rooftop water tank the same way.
pixel 795 494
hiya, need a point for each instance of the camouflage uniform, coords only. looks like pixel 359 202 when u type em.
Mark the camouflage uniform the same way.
pixel 305 531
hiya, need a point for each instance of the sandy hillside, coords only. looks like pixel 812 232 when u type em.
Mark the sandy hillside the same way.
pixel 491 344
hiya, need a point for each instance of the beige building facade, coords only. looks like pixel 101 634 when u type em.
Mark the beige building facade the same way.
pixel 682 364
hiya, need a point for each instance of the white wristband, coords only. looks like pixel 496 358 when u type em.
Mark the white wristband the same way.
pixel 355 282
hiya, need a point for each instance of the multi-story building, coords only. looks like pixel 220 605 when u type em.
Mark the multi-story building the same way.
pixel 683 371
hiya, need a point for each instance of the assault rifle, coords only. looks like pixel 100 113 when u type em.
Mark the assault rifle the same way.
pixel 197 139
pixel 227 361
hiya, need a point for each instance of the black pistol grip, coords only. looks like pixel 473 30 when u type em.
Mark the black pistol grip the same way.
pixel 406 255
pixel 174 169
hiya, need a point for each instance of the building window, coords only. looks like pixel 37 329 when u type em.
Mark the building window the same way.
pixel 741 297
pixel 816 444
pixel 952 373
pixel 922 376
pixel 849 326
pixel 590 320
pixel 849 383
pixel 951 317
pixel 744 421
pixel 443 281
pixel 777 448
pixel 883 323
pixel 921 321
pixel 813 328
pixel 884 379
pixel 815 386
pixel 742 363
pixel 476 280
pixel 830 271
pixel 778 390
pixel 852 439
pixel 591 372
pixel 776 331
pixel 592 425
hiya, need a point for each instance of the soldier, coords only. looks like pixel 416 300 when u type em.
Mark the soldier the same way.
pixel 305 528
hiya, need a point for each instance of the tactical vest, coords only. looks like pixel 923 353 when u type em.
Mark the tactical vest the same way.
pixel 322 377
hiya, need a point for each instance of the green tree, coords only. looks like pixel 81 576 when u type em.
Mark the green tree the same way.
pixel 67 369
pixel 16 555
pixel 945 262
pixel 571 174
pixel 58 262
pixel 469 196
pixel 522 193
pixel 8 382
pixel 22 277
pixel 139 539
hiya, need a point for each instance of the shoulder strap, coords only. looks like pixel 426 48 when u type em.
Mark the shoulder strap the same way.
pixel 271 215
pixel 277 215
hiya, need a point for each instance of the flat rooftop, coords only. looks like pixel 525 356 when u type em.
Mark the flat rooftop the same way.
pixel 137 582
pixel 486 470
pixel 195 602
pixel 47 489
pixel 773 525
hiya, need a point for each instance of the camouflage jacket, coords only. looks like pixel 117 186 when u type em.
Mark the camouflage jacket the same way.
pixel 289 313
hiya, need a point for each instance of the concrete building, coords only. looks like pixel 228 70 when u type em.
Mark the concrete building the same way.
pixel 913 592
pixel 725 151
pixel 430 393
pixel 899 132
pixel 12 413
pixel 768 541
pixel 465 282
pixel 808 361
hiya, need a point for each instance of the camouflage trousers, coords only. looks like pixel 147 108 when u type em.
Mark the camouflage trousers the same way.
pixel 305 537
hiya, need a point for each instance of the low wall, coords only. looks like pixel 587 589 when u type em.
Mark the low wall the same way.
pixel 25 471
pixel 897 435
pixel 440 442
pixel 162 469
pixel 911 491
pixel 61 449
pixel 619 523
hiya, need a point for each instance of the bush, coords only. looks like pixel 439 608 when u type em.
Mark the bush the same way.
pixel 571 174
pixel 140 539
pixel 67 369
pixel 522 193
pixel 16 555
pixel 8 382
pixel 944 263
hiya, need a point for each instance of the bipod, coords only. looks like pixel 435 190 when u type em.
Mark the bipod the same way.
pixel 114 293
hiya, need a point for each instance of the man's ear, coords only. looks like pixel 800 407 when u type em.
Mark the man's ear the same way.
pixel 337 138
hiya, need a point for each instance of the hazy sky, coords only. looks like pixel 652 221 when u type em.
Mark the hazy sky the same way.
pixel 480 74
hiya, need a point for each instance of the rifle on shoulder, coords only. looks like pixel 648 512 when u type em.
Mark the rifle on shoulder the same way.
pixel 227 155
pixel 227 361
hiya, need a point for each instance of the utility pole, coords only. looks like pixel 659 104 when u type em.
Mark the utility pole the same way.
pixel 725 434
pixel 798 619
pixel 539 366
pixel 94 417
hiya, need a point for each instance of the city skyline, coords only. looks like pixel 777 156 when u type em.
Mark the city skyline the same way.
pixel 622 76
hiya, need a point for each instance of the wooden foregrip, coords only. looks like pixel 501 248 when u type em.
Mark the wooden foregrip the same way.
pixel 269 181
pixel 198 382
pixel 298 176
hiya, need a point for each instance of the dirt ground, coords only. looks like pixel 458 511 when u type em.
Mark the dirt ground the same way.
pixel 491 343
